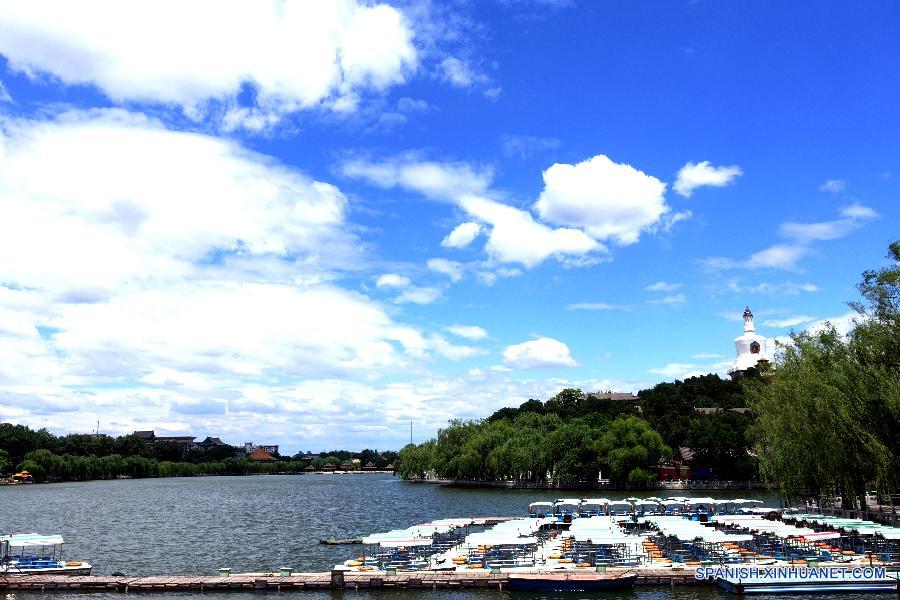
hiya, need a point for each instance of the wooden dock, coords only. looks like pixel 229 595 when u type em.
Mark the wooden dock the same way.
pixel 270 582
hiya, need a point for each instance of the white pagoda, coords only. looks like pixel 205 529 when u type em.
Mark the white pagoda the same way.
pixel 750 347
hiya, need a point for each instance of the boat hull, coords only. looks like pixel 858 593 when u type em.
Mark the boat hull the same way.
pixel 569 583
pixel 84 569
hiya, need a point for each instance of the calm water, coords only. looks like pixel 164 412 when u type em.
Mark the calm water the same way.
pixel 196 525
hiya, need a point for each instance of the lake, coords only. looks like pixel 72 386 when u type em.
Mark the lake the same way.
pixel 260 523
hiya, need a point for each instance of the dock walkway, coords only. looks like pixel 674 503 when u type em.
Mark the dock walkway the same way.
pixel 262 582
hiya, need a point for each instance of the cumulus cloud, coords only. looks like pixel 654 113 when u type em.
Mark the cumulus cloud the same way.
pixel 513 235
pixel 694 175
pixel 462 235
pixel 296 55
pixel 129 199
pixel 419 295
pixel 537 354
pixel 607 199
pixel 450 268
pixel 392 280
pixel 833 186
pixel 469 332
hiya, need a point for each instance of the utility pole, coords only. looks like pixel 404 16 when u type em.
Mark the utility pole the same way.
pixel 410 431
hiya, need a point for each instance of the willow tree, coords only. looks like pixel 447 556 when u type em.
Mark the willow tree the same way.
pixel 829 420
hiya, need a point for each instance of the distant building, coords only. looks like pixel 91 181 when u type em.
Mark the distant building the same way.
pixel 211 442
pixel 146 436
pixel 369 466
pixel 187 442
pixel 249 448
pixel 261 457
pixel 749 347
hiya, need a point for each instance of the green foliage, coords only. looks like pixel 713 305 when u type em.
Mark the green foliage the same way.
pixel 829 420
pixel 556 441
pixel 628 446
pixel 721 441
pixel 669 407
pixel 5 464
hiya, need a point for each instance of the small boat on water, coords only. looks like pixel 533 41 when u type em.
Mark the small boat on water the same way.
pixel 332 541
pixel 33 554
pixel 570 582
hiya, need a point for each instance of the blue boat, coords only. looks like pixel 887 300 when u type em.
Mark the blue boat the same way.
pixel 569 582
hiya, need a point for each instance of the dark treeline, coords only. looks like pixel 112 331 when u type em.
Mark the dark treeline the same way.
pixel 81 457
pixel 576 437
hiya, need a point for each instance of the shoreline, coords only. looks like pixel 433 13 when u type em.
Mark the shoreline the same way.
pixel 531 485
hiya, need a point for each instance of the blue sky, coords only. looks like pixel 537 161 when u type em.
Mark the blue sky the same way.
pixel 315 222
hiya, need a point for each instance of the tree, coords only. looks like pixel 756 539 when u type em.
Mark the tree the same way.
pixel 829 420
pixel 629 447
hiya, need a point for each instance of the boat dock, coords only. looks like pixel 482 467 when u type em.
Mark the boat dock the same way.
pixel 271 582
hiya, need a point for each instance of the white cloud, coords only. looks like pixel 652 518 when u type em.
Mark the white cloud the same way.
pixel 4 94
pixel 513 235
pixel 463 235
pixel 454 351
pixel 444 181
pixel 684 371
pixel 786 288
pixel 129 199
pixel 802 236
pixel 662 286
pixel 833 186
pixel 392 280
pixel 450 268
pixel 706 355
pixel 296 55
pixel 536 354
pixel 491 277
pixel 842 323
pixel 469 332
pixel 460 73
pixel 779 256
pixel 608 200
pixel 788 321
pixel 674 300
pixel 596 306
pixel 524 146
pixel 419 295
pixel 858 212
pixel 691 176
